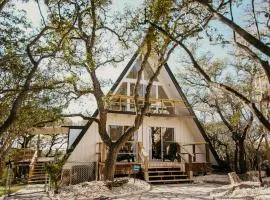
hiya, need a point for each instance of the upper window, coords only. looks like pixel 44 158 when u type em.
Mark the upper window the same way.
pixel 147 73
pixel 122 89
pixel 133 72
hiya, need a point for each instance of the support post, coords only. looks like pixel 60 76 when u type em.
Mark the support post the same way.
pixel 190 172
pixel 194 152
pixel 146 175
pixel 139 152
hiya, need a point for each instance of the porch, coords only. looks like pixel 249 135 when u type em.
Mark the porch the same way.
pixel 190 162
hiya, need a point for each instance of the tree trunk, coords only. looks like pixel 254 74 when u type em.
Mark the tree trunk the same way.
pixel 228 159
pixel 2 163
pixel 236 158
pixel 242 159
pixel 110 163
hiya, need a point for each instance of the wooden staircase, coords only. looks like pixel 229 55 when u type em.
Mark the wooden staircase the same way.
pixel 163 175
pixel 37 174
pixel 160 172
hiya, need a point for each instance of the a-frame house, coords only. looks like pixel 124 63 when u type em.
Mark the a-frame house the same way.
pixel 169 121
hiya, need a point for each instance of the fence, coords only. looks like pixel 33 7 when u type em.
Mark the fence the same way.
pixel 79 172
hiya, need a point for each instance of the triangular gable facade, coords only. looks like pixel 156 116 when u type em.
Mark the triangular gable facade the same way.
pixel 180 117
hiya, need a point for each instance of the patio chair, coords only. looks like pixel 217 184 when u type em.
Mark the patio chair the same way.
pixel 173 152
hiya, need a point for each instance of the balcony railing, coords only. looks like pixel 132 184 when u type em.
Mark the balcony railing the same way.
pixel 158 106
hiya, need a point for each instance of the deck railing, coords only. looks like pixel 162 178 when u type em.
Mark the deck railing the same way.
pixel 191 148
pixel 24 155
pixel 102 150
pixel 158 106
pixel 188 155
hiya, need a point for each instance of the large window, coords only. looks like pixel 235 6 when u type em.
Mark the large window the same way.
pixel 128 151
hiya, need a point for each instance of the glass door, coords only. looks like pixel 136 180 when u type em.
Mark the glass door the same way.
pixel 167 139
pixel 161 138
pixel 156 143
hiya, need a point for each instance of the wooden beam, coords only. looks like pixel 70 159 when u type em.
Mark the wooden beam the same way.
pixel 194 152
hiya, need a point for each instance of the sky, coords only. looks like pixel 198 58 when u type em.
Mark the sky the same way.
pixel 174 62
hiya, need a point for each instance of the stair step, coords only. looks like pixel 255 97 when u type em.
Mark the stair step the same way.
pixel 38 174
pixel 36 177
pixel 173 171
pixel 36 182
pixel 39 170
pixel 182 175
pixel 39 167
pixel 165 168
pixel 171 181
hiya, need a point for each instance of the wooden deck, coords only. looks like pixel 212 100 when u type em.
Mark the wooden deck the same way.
pixel 161 171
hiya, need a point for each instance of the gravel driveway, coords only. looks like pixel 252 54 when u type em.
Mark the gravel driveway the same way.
pixel 176 191
pixel 158 192
pixel 30 192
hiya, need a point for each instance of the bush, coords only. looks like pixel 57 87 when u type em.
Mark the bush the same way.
pixel 54 171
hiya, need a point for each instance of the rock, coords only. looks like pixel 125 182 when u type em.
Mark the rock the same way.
pixel 234 178
pixel 116 183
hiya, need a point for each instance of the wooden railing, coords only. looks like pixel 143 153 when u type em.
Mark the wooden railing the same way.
pixel 32 163
pixel 102 151
pixel 192 155
pixel 158 106
pixel 195 153
pixel 189 170
pixel 187 153
pixel 143 157
pixel 24 155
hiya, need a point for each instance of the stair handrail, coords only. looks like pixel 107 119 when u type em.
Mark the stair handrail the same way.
pixel 190 158
pixel 186 150
pixel 32 163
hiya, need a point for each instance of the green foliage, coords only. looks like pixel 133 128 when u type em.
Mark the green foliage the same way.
pixel 54 170
pixel 13 189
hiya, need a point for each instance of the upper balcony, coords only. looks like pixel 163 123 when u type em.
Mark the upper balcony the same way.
pixel 122 103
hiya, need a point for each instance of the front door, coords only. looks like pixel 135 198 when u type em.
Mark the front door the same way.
pixel 161 138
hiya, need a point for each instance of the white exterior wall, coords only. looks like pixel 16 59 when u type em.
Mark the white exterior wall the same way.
pixel 185 131
pixel 85 151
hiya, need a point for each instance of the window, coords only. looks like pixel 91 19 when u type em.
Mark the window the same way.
pixel 128 151
pixel 148 73
pixel 141 89
pixel 161 93
pixel 134 71
pixel 122 89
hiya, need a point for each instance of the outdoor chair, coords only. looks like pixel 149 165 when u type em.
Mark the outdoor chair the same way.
pixel 173 152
